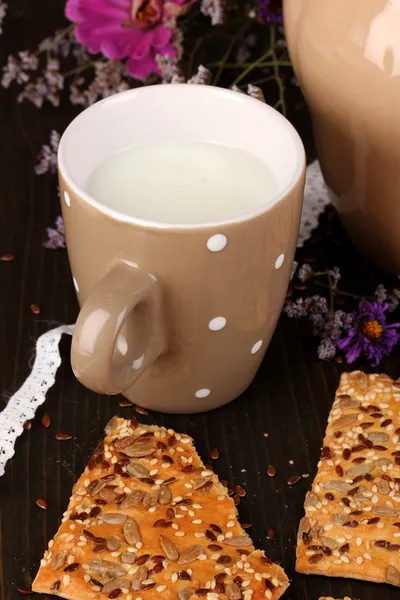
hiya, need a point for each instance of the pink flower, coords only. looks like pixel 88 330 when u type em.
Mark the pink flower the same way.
pixel 133 29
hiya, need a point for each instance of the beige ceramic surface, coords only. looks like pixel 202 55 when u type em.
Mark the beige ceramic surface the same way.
pixel 346 54
pixel 207 299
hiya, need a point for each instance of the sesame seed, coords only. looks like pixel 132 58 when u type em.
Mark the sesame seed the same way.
pixel 174 577
pixel 199 534
pixel 66 580
pixel 197 522
pixel 153 472
pixel 179 534
pixel 358 541
pixel 215 556
pixel 161 588
pixel 197 506
pixel 202 557
pixel 230 524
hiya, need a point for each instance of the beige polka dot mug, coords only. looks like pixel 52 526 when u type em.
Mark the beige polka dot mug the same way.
pixel 178 316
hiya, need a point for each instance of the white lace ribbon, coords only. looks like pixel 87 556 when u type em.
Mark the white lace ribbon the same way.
pixel 23 404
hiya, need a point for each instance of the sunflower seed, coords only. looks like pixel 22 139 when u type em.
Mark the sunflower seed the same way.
pixel 345 420
pixel 190 554
pixel 98 487
pixel 378 436
pixel 171 551
pixel 328 542
pixel 137 470
pixel 150 500
pixel 165 495
pixel 200 482
pixel 186 593
pixel 58 560
pixel 132 499
pixel 233 591
pixel 385 511
pixel 116 584
pixel 339 519
pixel 348 402
pixel 337 485
pixel 304 527
pixel 132 532
pixel 113 543
pixel 362 469
pixel 383 487
pixel 128 558
pixel 139 577
pixel 362 381
pixel 382 462
pixel 111 425
pixel 311 499
pixel 393 575
pixel 113 518
pixel 240 541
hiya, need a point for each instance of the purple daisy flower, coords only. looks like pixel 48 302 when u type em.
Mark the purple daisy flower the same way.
pixel 270 11
pixel 369 334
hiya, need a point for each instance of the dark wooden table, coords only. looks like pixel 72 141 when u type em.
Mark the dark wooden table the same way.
pixel 289 399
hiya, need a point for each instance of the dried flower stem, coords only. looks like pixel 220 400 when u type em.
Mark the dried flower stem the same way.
pixel 222 62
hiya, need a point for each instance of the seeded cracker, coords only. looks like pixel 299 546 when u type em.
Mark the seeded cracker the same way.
pixel 352 522
pixel 148 521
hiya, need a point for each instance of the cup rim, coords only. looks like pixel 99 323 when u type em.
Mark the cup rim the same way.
pixel 175 88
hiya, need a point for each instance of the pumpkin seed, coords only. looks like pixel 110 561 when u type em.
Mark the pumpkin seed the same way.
pixel 165 495
pixel 171 551
pixel 150 500
pixel 139 450
pixel 132 532
pixel 132 499
pixel 113 543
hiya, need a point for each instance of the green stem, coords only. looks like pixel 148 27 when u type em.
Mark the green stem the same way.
pixel 227 54
pixel 280 63
pixel 251 66
pixel 77 70
pixel 341 293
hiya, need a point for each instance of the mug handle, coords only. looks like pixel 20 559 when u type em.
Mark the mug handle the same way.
pixel 101 358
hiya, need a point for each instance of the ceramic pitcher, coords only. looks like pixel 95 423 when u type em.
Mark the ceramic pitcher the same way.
pixel 346 55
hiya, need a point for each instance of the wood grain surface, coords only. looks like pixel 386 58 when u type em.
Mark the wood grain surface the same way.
pixel 289 399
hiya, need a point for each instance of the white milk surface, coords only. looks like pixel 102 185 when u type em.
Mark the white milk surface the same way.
pixel 182 182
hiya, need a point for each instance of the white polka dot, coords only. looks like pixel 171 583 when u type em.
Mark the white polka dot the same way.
pixel 122 345
pixel 217 242
pixel 279 261
pixel 202 393
pixel 217 323
pixel 67 199
pixel 76 286
pixel 256 346
pixel 138 362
